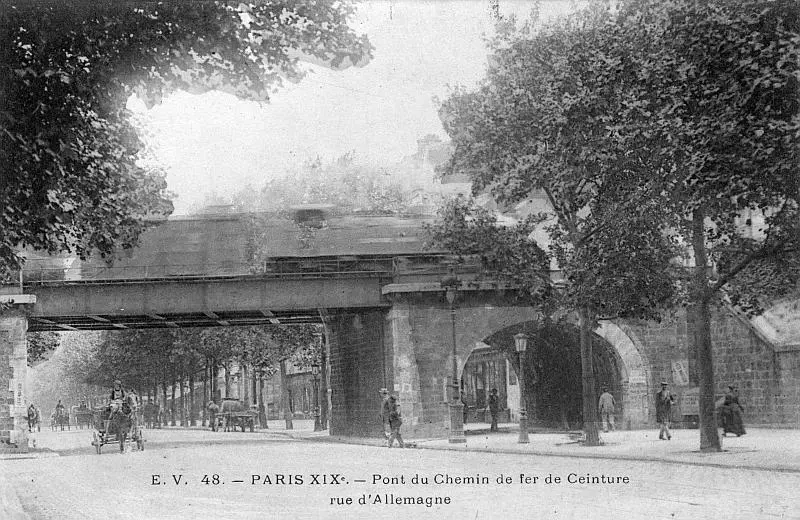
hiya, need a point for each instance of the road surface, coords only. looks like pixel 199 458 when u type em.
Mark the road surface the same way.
pixel 192 474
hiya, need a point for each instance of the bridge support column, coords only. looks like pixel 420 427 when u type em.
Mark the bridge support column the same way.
pixel 358 369
pixel 13 366
pixel 402 357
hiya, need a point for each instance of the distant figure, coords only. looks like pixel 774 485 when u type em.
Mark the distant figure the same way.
pixel 213 408
pixel 464 403
pixel 607 406
pixel 664 402
pixel 395 421
pixel 494 408
pixel 385 410
pixel 59 408
pixel 33 419
pixel 730 413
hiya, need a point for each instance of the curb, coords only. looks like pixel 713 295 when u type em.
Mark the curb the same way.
pixel 420 444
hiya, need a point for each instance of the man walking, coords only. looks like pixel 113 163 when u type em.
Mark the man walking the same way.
pixel 607 405
pixel 494 408
pixel 385 410
pixel 395 421
pixel 664 402
pixel 213 408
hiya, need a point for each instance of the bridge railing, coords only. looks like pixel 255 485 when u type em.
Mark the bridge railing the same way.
pixel 37 273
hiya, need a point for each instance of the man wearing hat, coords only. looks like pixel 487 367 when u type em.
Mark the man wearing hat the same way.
pixel 117 393
pixel 385 411
pixel 606 405
pixel 664 402
pixel 395 421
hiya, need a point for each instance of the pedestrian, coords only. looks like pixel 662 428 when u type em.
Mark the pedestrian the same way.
pixel 664 402
pixel 731 413
pixel 494 408
pixel 213 408
pixel 395 421
pixel 463 397
pixel 607 406
pixel 385 409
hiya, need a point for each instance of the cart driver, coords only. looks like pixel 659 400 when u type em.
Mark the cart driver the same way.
pixel 116 397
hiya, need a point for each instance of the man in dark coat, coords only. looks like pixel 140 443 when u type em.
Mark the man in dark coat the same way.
pixel 385 409
pixel 117 393
pixel 395 421
pixel 664 402
pixel 213 408
pixel 494 408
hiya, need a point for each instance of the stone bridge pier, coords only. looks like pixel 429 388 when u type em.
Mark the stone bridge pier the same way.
pixel 408 348
pixel 13 368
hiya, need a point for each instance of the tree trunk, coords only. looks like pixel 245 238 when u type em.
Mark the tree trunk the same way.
pixel 172 405
pixel 205 394
pixel 227 381
pixel 587 371
pixel 192 408
pixel 164 409
pixel 700 306
pixel 285 407
pixel 182 402
pixel 262 410
pixel 244 377
pixel 323 387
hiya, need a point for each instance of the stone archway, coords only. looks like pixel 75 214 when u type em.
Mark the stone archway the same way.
pixel 634 374
pixel 619 364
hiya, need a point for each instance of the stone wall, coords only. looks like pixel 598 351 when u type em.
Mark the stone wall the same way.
pixel 767 378
pixel 356 372
pixel 13 365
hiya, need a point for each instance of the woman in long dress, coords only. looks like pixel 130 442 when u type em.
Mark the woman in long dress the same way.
pixel 731 413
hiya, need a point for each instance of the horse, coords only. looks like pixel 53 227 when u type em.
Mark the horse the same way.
pixel 34 419
pixel 60 417
pixel 122 417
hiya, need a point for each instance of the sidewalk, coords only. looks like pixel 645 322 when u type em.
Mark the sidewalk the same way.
pixel 760 449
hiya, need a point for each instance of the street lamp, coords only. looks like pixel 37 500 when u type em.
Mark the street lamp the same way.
pixel 315 376
pixel 521 344
pixel 450 284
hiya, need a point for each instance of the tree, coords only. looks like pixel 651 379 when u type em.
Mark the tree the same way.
pixel 712 96
pixel 40 345
pixel 685 110
pixel 534 126
pixel 73 177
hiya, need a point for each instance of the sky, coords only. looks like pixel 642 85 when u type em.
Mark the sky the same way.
pixel 216 143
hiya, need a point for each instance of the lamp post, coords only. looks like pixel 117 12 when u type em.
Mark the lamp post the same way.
pixel 450 284
pixel 315 376
pixel 521 345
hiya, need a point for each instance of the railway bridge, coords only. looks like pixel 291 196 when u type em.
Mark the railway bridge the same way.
pixel 368 279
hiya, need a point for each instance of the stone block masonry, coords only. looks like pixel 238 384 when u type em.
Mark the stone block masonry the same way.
pixel 13 365
pixel 356 373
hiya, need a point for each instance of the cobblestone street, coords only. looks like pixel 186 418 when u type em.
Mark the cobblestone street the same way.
pixel 299 477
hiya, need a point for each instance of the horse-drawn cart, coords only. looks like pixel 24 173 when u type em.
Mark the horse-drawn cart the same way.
pixel 233 414
pixel 115 424
pixel 83 416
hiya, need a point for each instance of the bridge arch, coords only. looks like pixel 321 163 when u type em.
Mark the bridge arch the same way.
pixel 619 363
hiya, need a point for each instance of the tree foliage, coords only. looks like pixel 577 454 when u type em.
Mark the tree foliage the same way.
pixel 73 178
pixel 40 344
pixel 536 125
pixel 649 125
